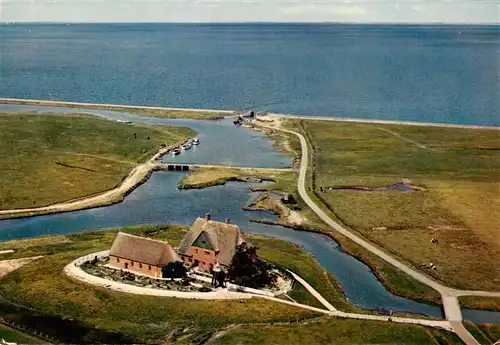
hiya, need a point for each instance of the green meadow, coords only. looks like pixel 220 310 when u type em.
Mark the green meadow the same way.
pixel 54 158
pixel 457 171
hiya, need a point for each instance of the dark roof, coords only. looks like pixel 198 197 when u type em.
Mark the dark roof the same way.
pixel 142 249
pixel 223 238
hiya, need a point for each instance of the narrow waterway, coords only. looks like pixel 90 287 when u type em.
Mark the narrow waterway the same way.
pixel 159 201
pixel 221 142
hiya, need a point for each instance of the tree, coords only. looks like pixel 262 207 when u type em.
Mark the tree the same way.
pixel 174 270
pixel 248 270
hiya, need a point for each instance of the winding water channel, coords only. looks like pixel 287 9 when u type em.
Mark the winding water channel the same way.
pixel 159 201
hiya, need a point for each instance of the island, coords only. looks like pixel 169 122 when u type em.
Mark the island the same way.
pixel 416 203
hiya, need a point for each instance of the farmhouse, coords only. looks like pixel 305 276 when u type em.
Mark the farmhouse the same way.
pixel 209 242
pixel 141 255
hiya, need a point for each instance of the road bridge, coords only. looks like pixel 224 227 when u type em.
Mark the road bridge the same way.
pixel 173 166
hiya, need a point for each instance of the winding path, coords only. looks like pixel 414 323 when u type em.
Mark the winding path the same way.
pixel 141 172
pixel 313 292
pixel 449 295
pixel 74 271
pixel 134 178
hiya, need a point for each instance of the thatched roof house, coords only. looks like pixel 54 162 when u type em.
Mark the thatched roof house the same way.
pixel 208 242
pixel 140 254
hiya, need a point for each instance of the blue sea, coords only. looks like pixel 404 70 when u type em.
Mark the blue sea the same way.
pixel 394 72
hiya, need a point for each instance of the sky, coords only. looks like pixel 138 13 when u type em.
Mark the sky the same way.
pixel 345 11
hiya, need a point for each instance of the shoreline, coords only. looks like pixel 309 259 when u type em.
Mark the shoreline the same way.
pixel 133 109
pixel 230 113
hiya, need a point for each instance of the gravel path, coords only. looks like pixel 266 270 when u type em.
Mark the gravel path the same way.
pixel 7 266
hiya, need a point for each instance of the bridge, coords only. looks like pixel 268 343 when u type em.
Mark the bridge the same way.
pixel 191 166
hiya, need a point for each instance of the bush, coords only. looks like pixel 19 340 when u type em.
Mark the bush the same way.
pixel 248 270
pixel 174 270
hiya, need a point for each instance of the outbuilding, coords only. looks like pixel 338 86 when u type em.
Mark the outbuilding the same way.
pixel 141 255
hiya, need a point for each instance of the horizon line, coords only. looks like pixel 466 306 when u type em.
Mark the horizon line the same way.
pixel 254 22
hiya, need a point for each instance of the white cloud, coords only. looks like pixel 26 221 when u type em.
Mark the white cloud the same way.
pixel 322 9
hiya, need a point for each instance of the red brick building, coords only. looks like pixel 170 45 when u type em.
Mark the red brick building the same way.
pixel 208 242
pixel 141 255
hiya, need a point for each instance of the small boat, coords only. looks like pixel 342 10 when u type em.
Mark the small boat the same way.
pixel 176 151
pixel 186 146
pixel 124 121
pixel 196 141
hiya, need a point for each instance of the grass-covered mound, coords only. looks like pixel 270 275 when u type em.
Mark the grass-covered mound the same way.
pixel 42 285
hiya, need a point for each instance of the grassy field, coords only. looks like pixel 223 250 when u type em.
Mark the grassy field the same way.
pixel 395 280
pixel 338 331
pixel 492 303
pixel 299 294
pixel 187 114
pixel 42 285
pixel 459 206
pixel 25 243
pixel 49 158
pixel 14 336
pixel 299 261
pixel 476 332
pixel 492 331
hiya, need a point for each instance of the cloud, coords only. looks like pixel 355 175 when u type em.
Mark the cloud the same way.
pixel 322 9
